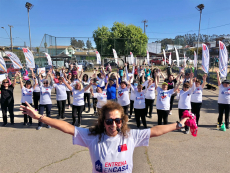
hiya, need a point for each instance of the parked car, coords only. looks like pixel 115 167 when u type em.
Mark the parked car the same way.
pixel 112 64
pixel 181 61
pixel 158 61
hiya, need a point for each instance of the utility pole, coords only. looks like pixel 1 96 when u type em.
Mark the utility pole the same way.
pixel 29 6
pixel 145 21
pixel 11 38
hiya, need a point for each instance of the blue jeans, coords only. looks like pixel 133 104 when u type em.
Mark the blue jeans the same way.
pixel 41 110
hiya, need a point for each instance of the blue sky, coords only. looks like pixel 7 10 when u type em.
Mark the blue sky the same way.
pixel 79 18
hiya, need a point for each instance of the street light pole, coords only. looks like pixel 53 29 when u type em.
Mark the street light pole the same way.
pixel 199 8
pixel 11 38
pixel 29 6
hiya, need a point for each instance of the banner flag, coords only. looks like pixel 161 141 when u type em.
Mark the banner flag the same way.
pixel 98 57
pixel 177 57
pixel 2 64
pixel 205 58
pixel 48 58
pixel 223 60
pixel 184 60
pixel 195 60
pixel 132 58
pixel 115 55
pixel 147 57
pixel 170 59
pixel 29 58
pixel 15 60
pixel 41 70
pixel 164 57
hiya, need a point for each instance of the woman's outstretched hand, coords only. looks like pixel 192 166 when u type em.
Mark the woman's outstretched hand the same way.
pixel 29 110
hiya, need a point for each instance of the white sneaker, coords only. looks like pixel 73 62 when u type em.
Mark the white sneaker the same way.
pixel 170 113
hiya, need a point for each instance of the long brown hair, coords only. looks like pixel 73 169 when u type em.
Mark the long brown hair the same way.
pixel 99 128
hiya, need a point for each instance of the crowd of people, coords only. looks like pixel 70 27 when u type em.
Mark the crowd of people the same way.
pixel 104 85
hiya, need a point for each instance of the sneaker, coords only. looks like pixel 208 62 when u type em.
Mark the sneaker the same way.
pixel 24 124
pixel 4 124
pixel 39 127
pixel 87 111
pixel 29 124
pixel 48 127
pixel 170 113
pixel 95 113
pixel 186 132
pixel 12 124
pixel 79 125
pixel 129 116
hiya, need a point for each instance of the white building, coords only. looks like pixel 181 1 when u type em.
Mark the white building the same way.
pixel 172 47
pixel 154 47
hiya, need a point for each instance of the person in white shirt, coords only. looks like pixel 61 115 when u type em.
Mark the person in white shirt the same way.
pixel 94 90
pixel 223 100
pixel 196 98
pixel 149 95
pixel 27 93
pixel 101 97
pixel 68 92
pixel 110 142
pixel 129 73
pixel 139 105
pixel 61 97
pixel 85 83
pixel 78 100
pixel 132 96
pixel 184 97
pixel 45 97
pixel 123 95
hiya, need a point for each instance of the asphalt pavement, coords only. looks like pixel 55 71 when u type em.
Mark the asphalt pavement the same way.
pixel 24 149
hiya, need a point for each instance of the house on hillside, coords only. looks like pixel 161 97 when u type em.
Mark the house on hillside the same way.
pixel 172 47
pixel 56 50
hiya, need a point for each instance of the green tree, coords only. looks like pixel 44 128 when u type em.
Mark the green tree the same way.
pixel 88 44
pixel 77 43
pixel 37 49
pixel 121 37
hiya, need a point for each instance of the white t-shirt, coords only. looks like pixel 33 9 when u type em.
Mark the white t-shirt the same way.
pixel 224 95
pixel 132 96
pixel 185 98
pixel 123 96
pixel 101 82
pixel 45 95
pixel 85 84
pixel 60 91
pixel 197 95
pixel 139 101
pixel 163 98
pixel 150 91
pixel 37 88
pixel 101 98
pixel 111 154
pixel 27 95
pixel 78 97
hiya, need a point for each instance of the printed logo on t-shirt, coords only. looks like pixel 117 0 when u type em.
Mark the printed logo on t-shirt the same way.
pixel 27 94
pixel 163 95
pixel 120 93
pixel 198 91
pixel 122 148
pixel 116 166
pixel 226 92
pixel 98 166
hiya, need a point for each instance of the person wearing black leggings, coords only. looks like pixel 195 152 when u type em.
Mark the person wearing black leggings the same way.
pixel 78 100
pixel 61 97
pixel 196 98
pixel 132 96
pixel 45 98
pixel 223 100
pixel 68 92
pixel 7 100
pixel 85 83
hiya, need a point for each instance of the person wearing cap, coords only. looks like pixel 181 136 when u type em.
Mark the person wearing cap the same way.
pixel 196 98
pixel 163 100
pixel 123 95
pixel 223 100
pixel 184 97
pixel 112 89
pixel 7 100
pixel 27 93
pixel 172 84
pixel 78 100
pixel 45 97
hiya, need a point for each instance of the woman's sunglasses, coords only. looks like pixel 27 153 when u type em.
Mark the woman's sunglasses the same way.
pixel 5 82
pixel 110 121
pixel 45 83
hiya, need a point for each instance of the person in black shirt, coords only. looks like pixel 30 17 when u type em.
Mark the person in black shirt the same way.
pixel 7 100
pixel 171 84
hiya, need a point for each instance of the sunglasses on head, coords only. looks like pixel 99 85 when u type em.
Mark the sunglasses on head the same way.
pixel 110 121
pixel 5 82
